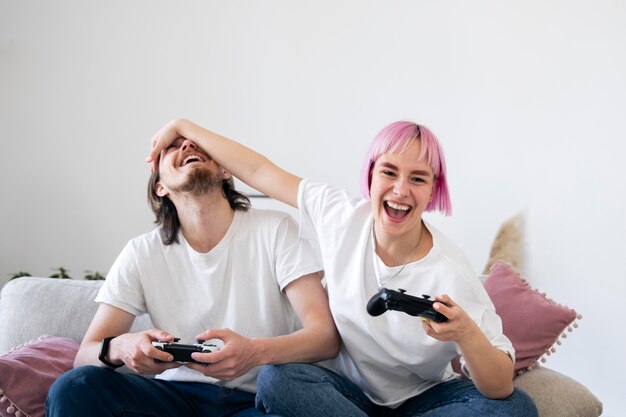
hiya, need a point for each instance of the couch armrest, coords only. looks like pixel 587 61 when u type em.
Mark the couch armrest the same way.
pixel 557 395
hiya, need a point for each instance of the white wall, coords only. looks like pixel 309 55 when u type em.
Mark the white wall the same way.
pixel 528 98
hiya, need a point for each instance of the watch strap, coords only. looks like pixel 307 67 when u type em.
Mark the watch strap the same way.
pixel 104 351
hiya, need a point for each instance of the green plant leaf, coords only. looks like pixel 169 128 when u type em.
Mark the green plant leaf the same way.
pixel 19 274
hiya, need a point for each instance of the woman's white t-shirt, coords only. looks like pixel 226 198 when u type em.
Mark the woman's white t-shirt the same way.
pixel 389 356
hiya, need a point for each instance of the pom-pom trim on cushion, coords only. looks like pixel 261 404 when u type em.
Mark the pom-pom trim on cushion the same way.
pixel 534 337
pixel 11 408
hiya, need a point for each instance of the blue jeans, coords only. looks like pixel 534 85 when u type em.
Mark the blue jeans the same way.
pixel 303 390
pixel 96 391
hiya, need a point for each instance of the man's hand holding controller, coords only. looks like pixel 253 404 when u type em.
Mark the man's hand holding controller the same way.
pixel 236 357
pixel 135 350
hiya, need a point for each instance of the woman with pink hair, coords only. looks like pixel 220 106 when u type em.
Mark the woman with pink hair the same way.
pixel 375 247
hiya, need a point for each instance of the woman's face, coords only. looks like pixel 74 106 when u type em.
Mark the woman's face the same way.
pixel 401 189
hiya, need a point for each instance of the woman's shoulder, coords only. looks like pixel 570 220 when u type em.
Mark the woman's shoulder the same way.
pixel 450 252
pixel 327 196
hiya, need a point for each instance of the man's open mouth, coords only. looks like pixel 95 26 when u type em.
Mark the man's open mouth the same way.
pixel 190 159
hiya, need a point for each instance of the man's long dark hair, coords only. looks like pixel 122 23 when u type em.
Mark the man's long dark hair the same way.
pixel 167 216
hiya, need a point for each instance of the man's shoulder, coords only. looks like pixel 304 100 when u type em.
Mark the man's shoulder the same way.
pixel 267 224
pixel 150 238
pixel 258 216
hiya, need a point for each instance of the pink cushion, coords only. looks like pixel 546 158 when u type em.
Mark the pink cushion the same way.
pixel 530 320
pixel 27 372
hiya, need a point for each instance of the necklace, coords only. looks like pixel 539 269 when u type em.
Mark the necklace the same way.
pixel 376 266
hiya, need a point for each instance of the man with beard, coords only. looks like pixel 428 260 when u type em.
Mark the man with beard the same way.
pixel 214 269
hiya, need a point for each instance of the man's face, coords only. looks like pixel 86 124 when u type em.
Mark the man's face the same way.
pixel 185 168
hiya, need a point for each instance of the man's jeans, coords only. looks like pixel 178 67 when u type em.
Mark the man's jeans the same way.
pixel 96 391
pixel 303 390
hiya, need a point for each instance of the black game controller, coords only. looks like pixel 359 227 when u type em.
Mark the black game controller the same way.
pixel 386 299
pixel 182 352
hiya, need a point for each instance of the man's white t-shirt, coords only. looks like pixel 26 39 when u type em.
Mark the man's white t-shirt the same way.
pixel 237 285
pixel 389 357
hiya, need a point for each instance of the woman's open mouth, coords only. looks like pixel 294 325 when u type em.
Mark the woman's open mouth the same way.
pixel 396 210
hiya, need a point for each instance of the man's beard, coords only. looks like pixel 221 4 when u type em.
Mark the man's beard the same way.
pixel 200 181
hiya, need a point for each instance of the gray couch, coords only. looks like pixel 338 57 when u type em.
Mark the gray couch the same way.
pixel 31 307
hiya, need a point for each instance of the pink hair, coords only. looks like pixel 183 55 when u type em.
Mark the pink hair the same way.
pixel 395 138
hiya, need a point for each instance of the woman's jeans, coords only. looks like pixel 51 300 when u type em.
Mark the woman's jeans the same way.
pixel 303 390
pixel 97 391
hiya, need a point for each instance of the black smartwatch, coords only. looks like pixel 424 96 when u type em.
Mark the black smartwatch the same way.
pixel 104 351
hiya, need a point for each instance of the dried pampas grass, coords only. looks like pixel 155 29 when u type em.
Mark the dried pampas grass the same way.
pixel 508 245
